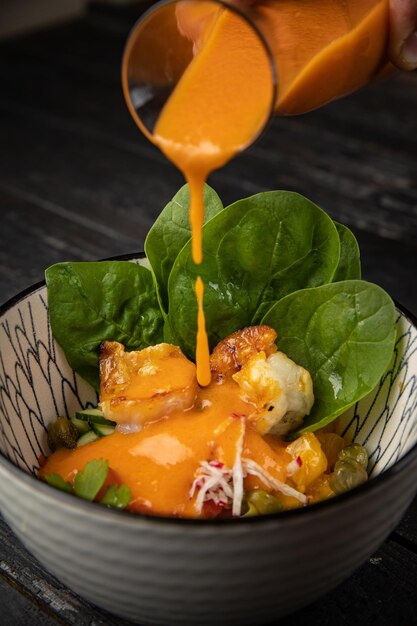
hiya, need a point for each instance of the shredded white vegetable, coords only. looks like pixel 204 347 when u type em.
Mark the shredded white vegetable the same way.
pixel 214 482
pixel 220 484
pixel 294 466
pixel 238 474
pixel 253 468
pixel 224 486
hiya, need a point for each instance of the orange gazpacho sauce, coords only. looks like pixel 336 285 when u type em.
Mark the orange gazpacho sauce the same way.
pixel 159 463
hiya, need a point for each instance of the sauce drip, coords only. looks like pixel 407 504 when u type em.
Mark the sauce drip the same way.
pixel 196 185
pixel 202 349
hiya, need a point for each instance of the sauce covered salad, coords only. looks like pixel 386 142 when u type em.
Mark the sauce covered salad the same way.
pixel 296 338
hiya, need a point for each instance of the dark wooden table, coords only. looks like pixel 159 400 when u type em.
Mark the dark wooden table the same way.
pixel 79 182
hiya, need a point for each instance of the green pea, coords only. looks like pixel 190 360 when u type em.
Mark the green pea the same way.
pixel 347 474
pixel 356 452
pixel 62 434
pixel 260 502
pixel 248 510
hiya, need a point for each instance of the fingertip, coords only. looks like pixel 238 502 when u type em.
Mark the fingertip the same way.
pixel 408 53
pixel 403 34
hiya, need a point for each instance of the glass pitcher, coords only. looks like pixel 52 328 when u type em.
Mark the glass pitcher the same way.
pixel 319 50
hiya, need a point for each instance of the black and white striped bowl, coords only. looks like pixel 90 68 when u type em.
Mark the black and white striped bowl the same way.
pixel 169 571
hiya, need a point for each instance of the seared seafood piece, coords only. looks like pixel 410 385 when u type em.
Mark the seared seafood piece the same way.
pixel 144 385
pixel 281 390
pixel 229 356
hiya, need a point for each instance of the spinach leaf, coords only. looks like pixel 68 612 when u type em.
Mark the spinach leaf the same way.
pixel 170 233
pixel 349 264
pixel 344 335
pixel 91 302
pixel 256 251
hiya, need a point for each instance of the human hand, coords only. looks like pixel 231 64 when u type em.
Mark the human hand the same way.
pixel 403 31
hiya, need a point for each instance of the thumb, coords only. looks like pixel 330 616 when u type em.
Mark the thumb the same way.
pixel 403 33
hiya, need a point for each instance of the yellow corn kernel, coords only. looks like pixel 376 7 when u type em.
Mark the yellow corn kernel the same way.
pixel 331 444
pixel 313 460
pixel 320 489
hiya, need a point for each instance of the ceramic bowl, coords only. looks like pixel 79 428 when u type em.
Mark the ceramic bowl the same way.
pixel 157 570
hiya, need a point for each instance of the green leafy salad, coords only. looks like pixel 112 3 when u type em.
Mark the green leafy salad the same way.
pixel 274 258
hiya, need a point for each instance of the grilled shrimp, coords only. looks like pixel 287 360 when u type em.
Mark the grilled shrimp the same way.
pixel 144 385
pixel 229 356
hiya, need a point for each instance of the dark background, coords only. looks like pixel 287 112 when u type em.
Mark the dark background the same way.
pixel 78 181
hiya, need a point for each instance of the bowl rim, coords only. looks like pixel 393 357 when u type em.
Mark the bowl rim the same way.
pixel 129 517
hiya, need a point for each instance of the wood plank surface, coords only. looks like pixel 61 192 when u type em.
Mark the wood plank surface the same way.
pixel 79 182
